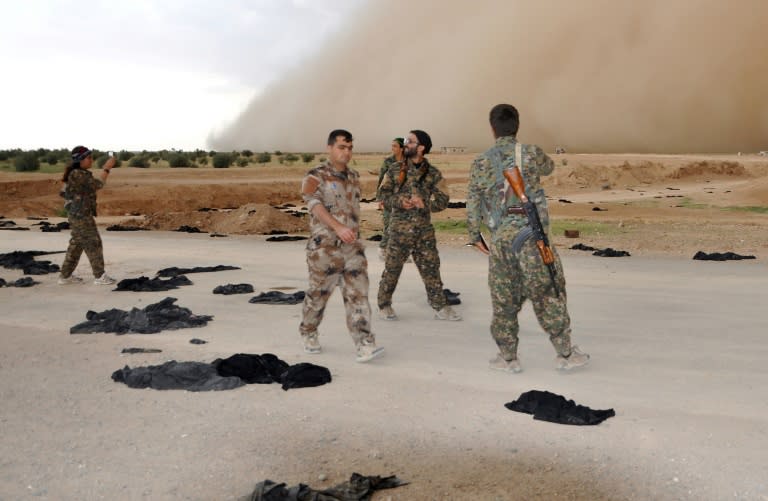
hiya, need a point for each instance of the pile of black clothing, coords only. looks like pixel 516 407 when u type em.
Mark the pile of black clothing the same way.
pixel 163 315
pixel 607 252
pixel 546 406
pixel 146 284
pixel 720 256
pixel 47 227
pixel 224 374
pixel 25 261
pixel 22 282
pixel 286 238
pixel 277 297
pixel 358 488
pixel 230 289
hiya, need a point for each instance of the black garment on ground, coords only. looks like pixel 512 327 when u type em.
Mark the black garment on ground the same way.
pixel 174 271
pixel 452 297
pixel 277 297
pixel 457 205
pixel 217 235
pixel 546 406
pixel 260 369
pixel 7 223
pixel 358 488
pixel 305 375
pixel 22 282
pixel 120 227
pixel 376 238
pixel 189 229
pixel 233 289
pixel 607 252
pixel 195 340
pixel 54 228
pixel 173 375
pixel 720 256
pixel 141 350
pixel 276 232
pixel 286 238
pixel 25 261
pixel 15 228
pixel 163 315
pixel 146 284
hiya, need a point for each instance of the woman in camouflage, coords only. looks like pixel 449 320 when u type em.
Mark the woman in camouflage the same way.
pixel 80 194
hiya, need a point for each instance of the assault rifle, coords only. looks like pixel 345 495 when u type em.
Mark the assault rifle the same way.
pixel 515 180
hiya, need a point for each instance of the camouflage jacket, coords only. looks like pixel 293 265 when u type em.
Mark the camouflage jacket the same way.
pixel 488 197
pixel 383 172
pixel 80 194
pixel 339 193
pixel 425 181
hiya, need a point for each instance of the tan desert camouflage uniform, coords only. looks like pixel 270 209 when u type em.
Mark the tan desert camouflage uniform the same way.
pixel 410 230
pixel 80 196
pixel 515 275
pixel 332 262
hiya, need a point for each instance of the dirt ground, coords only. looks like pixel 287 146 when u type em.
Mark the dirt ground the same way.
pixel 677 348
pixel 646 204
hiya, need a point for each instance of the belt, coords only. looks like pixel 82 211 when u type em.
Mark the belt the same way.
pixel 515 210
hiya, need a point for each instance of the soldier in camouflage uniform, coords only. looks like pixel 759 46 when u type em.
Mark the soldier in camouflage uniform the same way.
pixel 394 159
pixel 80 195
pixel 516 270
pixel 413 190
pixel 335 254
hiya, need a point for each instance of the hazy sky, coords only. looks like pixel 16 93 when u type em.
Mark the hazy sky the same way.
pixel 146 74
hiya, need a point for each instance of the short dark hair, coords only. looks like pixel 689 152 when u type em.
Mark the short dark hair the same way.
pixel 424 139
pixel 505 120
pixel 339 132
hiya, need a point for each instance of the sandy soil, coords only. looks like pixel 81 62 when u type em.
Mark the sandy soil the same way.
pixel 678 351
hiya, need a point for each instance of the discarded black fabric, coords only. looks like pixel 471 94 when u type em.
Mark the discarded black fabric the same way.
pixel 36 218
pixel 546 406
pixel 720 256
pixel 305 375
pixel 217 235
pixel 7 223
pixel 3 283
pixel 608 252
pixel 140 350
pixel 233 289
pixel 286 238
pixel 276 232
pixel 358 488
pixel 598 209
pixel 146 284
pixel 195 340
pixel 452 297
pixel 174 271
pixel 160 316
pixel 582 247
pixel 564 200
pixel 15 228
pixel 457 205
pixel 25 261
pixel 277 297
pixel 22 282
pixel 54 228
pixel 189 229
pixel 173 375
pixel 120 227
pixel 253 369
pixel 375 238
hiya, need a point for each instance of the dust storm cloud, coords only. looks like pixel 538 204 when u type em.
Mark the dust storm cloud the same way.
pixel 675 76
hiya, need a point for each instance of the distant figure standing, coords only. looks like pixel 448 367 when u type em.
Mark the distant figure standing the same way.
pixel 335 254
pixel 516 270
pixel 80 195
pixel 394 159
pixel 412 190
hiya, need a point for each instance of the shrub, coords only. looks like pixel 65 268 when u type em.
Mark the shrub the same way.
pixel 263 158
pixel 203 160
pixel 26 162
pixel 179 160
pixel 139 161
pixel 278 153
pixel 307 157
pixel 247 153
pixel 155 158
pixel 52 158
pixel 242 162
pixel 4 155
pixel 124 155
pixel 221 160
pixel 290 158
pixel 103 159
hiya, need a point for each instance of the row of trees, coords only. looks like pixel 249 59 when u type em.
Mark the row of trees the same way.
pixel 32 159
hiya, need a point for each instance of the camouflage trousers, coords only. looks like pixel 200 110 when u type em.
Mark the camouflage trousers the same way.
pixel 513 278
pixel 347 267
pixel 421 244
pixel 385 214
pixel 84 236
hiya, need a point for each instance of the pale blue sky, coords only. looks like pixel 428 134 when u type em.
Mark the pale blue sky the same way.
pixel 146 74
